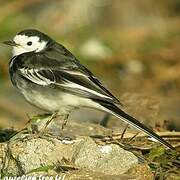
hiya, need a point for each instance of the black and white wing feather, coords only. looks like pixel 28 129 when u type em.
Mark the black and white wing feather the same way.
pixel 72 82
pixel 64 72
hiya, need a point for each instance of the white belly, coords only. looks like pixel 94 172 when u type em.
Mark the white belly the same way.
pixel 64 103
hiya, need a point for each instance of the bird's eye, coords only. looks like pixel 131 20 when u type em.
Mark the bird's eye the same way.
pixel 29 43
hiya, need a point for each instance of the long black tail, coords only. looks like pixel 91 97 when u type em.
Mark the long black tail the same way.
pixel 116 111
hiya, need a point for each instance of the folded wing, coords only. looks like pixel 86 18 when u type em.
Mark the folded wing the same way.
pixel 72 81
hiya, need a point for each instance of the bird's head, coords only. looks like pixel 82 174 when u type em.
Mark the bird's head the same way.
pixel 29 40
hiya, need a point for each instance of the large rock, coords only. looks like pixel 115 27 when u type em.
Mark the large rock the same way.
pixel 83 152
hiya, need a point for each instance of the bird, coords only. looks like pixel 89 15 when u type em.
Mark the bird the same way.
pixel 51 78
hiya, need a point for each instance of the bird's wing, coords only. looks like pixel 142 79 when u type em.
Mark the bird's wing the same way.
pixel 70 76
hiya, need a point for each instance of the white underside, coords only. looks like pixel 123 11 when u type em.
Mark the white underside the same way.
pixel 63 103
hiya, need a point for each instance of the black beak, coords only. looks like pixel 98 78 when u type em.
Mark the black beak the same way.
pixel 10 43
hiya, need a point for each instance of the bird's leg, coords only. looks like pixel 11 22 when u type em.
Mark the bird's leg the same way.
pixel 53 116
pixel 50 137
pixel 64 121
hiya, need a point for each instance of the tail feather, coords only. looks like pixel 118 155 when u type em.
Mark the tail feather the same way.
pixel 116 111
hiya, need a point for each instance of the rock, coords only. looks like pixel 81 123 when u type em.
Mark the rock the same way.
pixel 108 159
pixel 83 152
pixel 80 158
pixel 7 164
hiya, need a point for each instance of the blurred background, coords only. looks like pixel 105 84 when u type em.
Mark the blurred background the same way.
pixel 133 47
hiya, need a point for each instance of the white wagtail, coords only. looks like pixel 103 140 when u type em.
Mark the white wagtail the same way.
pixel 51 78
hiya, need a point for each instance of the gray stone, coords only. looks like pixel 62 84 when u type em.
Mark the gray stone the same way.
pixel 83 152
pixel 108 159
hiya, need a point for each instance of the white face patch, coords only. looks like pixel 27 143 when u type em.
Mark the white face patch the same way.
pixel 27 44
